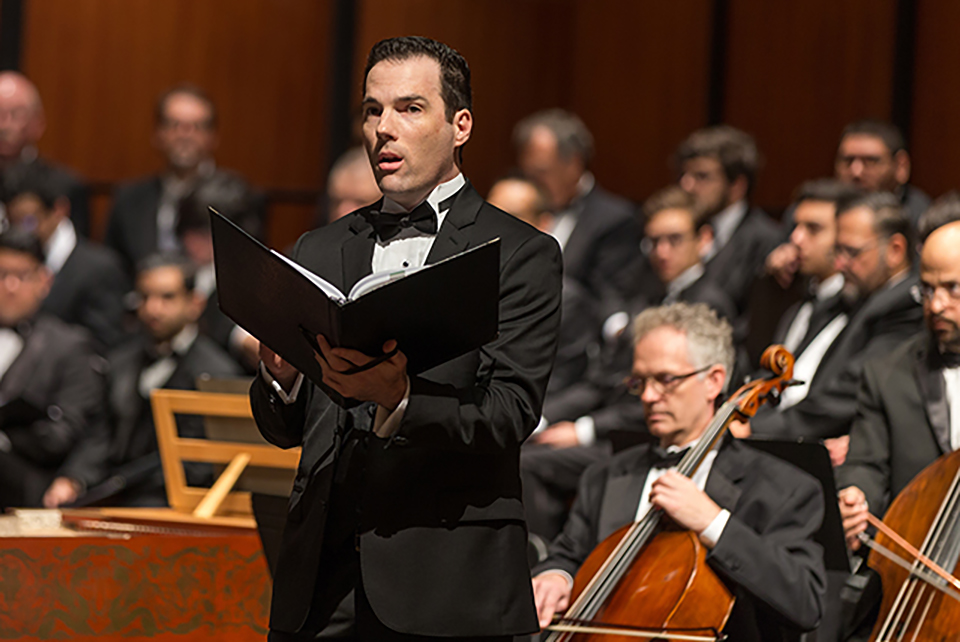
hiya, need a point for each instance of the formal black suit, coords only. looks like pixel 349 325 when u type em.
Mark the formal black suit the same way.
pixel 738 264
pixel 89 291
pixel 129 434
pixel 550 475
pixel 915 203
pixel 58 371
pixel 579 336
pixel 132 225
pixel 882 321
pixel 902 423
pixel 766 554
pixel 442 544
pixel 603 250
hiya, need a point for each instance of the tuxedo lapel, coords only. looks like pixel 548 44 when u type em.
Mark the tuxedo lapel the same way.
pixel 451 239
pixel 932 390
pixel 356 254
pixel 728 468
pixel 621 499
pixel 18 375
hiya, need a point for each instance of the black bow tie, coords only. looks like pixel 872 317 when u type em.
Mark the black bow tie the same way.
pixel 662 458
pixel 387 226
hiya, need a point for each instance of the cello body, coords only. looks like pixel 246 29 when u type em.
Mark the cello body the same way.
pixel 926 514
pixel 669 586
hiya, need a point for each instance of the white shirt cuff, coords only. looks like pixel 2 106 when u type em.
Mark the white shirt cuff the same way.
pixel 237 336
pixel 586 431
pixel 386 422
pixel 286 397
pixel 558 571
pixel 711 534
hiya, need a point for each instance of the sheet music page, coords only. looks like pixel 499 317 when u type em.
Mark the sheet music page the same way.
pixel 328 288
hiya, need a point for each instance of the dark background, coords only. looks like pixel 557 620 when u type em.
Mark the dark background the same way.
pixel 286 77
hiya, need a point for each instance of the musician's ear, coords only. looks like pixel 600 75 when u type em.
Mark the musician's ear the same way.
pixel 715 377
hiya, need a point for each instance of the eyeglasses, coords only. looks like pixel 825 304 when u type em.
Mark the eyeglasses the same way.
pixel 661 383
pixel 928 291
pixel 650 243
pixel 850 252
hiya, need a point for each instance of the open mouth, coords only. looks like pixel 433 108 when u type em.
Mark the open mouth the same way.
pixel 389 162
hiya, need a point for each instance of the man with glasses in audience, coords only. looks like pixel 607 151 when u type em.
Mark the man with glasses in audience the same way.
pixel 873 251
pixel 754 514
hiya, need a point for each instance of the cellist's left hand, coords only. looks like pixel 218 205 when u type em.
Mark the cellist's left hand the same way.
pixel 686 504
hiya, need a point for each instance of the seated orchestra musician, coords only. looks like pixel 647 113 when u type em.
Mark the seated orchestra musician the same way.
pixel 754 513
pixel 907 411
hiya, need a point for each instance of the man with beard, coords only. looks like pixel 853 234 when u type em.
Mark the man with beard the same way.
pixel 144 215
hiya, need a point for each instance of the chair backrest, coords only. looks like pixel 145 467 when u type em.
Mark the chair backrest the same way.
pixel 174 449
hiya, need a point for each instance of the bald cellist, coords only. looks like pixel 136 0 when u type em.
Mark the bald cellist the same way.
pixel 755 514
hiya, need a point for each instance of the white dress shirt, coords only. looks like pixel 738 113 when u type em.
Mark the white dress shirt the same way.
pixel 951 380
pixel 565 221
pixel 801 322
pixel 724 225
pixel 60 245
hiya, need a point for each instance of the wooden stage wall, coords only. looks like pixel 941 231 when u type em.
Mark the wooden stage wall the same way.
pixel 641 74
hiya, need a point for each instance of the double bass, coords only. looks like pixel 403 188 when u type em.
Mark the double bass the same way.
pixel 647 582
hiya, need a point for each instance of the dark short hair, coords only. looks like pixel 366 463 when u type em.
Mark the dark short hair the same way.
pixel 944 210
pixel 177 260
pixel 889 133
pixel 735 149
pixel 573 137
pixel 826 190
pixel 160 109
pixel 225 192
pixel 888 216
pixel 454 70
pixel 674 197
pixel 33 179
pixel 23 241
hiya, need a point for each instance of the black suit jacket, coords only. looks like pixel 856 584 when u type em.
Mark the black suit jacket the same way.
pixel 603 250
pixel 129 433
pixel 56 370
pixel 883 321
pixel 766 554
pixel 902 423
pixel 445 548
pixel 132 225
pixel 89 290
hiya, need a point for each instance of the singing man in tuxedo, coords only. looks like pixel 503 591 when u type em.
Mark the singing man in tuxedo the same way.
pixel 755 514
pixel 405 520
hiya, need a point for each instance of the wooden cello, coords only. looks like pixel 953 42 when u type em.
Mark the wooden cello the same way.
pixel 645 582
pixel 921 600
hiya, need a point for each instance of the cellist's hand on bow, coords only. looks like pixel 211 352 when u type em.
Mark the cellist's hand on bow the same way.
pixel 686 504
pixel 551 592
pixel 853 511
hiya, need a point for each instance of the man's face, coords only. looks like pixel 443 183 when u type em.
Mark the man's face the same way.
pixel 940 282
pixel 679 412
pixel 865 161
pixel 24 284
pixel 704 178
pixel 28 212
pixel 518 198
pixel 186 136
pixel 815 236
pixel 411 144
pixel 860 251
pixel 542 163
pixel 21 119
pixel 673 243
pixel 166 307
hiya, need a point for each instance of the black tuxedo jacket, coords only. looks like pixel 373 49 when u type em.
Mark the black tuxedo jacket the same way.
pixel 129 432
pixel 57 370
pixel 89 290
pixel 603 251
pixel 766 554
pixel 902 423
pixel 880 323
pixel 823 313
pixel 445 550
pixel 132 225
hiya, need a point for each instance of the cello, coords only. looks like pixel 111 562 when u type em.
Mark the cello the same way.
pixel 921 598
pixel 647 582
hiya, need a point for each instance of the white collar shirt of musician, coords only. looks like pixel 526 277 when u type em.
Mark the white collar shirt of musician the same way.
pixel 951 380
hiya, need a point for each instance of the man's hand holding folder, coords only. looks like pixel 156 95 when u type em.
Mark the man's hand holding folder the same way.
pixel 344 371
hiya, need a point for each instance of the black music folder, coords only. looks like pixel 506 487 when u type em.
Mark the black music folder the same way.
pixel 435 313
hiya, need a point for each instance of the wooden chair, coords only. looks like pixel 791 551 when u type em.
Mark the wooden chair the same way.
pixel 174 450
